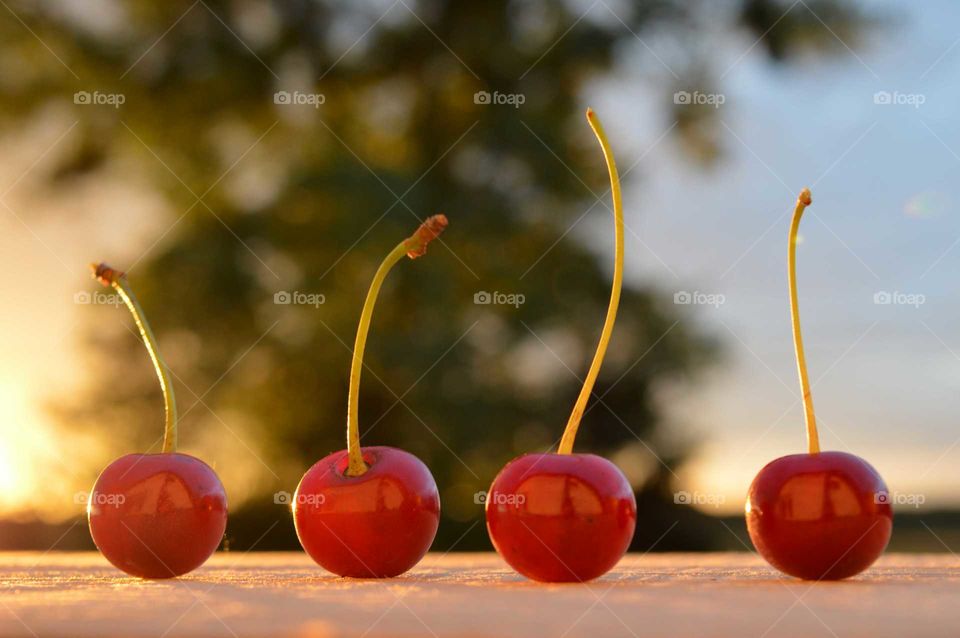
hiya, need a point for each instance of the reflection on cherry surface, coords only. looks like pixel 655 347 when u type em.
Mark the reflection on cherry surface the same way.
pixel 561 517
pixel 376 525
pixel 157 515
pixel 819 516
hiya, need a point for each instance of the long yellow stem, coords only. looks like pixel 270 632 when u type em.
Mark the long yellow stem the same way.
pixel 110 277
pixel 357 465
pixel 413 247
pixel 573 424
pixel 813 439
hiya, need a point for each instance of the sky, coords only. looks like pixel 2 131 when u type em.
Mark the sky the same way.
pixel 884 222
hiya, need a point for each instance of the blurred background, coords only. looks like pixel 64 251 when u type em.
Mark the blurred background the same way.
pixel 250 162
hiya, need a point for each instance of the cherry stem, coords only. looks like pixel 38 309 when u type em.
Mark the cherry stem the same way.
pixel 412 247
pixel 118 281
pixel 573 424
pixel 813 439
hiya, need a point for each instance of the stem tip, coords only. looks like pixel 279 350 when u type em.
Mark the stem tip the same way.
pixel 804 197
pixel 105 274
pixel 429 230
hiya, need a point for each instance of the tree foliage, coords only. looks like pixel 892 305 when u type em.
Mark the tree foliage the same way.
pixel 268 197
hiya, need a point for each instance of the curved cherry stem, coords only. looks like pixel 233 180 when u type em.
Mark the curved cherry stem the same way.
pixel 118 281
pixel 573 424
pixel 412 247
pixel 813 439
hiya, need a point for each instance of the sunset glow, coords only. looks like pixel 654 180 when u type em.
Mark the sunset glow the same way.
pixel 16 459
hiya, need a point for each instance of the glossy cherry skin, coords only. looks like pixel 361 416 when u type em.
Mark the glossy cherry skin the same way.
pixel 561 517
pixel 157 515
pixel 376 525
pixel 823 516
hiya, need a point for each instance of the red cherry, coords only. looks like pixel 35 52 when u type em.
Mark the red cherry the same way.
pixel 157 515
pixel 819 516
pixel 561 517
pixel 568 517
pixel 370 512
pixel 376 525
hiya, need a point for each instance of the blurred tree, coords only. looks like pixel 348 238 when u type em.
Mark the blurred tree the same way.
pixel 274 191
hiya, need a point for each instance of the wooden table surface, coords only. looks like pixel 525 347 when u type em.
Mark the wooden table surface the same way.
pixel 284 594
